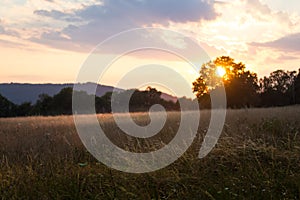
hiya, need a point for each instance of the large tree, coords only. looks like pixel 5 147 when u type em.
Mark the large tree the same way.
pixel 240 84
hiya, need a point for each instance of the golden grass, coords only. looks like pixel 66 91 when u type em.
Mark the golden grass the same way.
pixel 257 156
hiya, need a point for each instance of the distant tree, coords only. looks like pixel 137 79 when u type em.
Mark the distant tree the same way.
pixel 278 80
pixel 104 103
pixel 62 102
pixel 144 100
pixel 152 96
pixel 43 105
pixel 7 108
pixel 240 84
pixel 296 87
pixel 25 109
pixel 278 88
pixel 100 105
pixel 141 101
pixel 86 104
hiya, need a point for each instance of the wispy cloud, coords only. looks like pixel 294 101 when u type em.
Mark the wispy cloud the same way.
pixel 58 15
pixel 290 43
pixel 7 31
pixel 52 1
pixel 2 29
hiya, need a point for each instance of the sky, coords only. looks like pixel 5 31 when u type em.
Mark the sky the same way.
pixel 47 41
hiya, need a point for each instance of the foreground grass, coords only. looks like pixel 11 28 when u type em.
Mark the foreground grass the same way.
pixel 257 157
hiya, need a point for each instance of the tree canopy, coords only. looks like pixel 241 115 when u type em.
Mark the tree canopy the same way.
pixel 241 85
pixel 7 108
pixel 279 89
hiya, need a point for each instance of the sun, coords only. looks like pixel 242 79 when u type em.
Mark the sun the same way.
pixel 220 72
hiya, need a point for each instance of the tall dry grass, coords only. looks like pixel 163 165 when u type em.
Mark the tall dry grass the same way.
pixel 257 157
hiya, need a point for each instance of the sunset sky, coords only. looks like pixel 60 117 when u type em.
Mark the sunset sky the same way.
pixel 48 40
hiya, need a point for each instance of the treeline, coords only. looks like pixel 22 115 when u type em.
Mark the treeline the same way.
pixel 61 103
pixel 281 88
pixel 243 88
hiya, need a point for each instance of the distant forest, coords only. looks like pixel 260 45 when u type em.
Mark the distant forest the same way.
pixel 243 90
pixel 61 103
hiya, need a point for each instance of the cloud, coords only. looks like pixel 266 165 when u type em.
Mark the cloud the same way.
pixel 6 31
pixel 287 57
pixel 154 11
pixel 11 44
pixel 289 43
pixel 263 12
pixel 258 6
pixel 2 30
pixel 92 24
pixel 58 15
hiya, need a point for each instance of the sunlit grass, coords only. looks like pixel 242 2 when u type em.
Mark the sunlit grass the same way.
pixel 257 156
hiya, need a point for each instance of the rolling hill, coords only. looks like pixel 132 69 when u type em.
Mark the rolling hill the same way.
pixel 19 93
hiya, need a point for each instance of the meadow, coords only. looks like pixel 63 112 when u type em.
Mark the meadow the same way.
pixel 257 157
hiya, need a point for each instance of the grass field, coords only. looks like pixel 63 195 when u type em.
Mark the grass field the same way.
pixel 257 157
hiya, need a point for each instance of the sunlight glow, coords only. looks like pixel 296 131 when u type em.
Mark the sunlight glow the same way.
pixel 220 71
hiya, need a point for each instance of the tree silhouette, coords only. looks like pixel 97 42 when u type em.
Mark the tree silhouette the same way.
pixel 141 101
pixel 43 105
pixel 278 89
pixel 62 102
pixel 240 84
pixel 296 88
pixel 7 108
pixel 105 102
pixel 25 109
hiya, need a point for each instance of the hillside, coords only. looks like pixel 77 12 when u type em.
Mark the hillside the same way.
pixel 19 93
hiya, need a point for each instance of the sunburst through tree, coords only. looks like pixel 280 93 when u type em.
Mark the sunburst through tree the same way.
pixel 240 84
